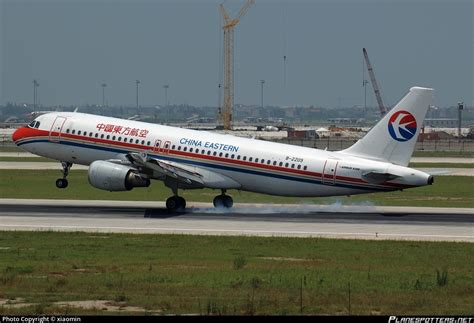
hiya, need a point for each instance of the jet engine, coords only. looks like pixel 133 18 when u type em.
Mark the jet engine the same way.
pixel 114 177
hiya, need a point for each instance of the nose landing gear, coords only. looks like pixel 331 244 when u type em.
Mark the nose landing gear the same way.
pixel 62 182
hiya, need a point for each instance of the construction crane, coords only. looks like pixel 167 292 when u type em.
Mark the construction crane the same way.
pixel 228 27
pixel 382 108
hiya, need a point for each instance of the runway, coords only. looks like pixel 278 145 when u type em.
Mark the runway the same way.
pixel 330 221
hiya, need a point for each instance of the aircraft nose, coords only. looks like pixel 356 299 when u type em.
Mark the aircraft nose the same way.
pixel 19 134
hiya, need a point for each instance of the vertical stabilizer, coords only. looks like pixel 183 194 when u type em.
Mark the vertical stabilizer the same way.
pixel 394 137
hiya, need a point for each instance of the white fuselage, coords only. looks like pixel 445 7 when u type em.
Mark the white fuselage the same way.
pixel 258 166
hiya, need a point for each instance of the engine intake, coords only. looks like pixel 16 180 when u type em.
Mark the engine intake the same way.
pixel 113 177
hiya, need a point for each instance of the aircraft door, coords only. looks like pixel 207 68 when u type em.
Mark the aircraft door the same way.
pixel 56 129
pixel 157 146
pixel 166 147
pixel 329 171
pixel 163 149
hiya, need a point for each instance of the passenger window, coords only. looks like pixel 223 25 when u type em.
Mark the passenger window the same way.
pixel 149 143
pixel 305 168
pixel 299 167
pixel 245 158
pixel 208 152
pixel 90 134
pixel 232 156
pixel 143 142
pixel 108 136
pixel 119 138
pixel 137 141
pixel 238 157
pixel 292 165
pixel 263 161
pixel 185 148
pixel 172 147
pixel 79 132
pixel 190 150
pixel 250 158
pixel 220 154
pixel 274 163
pixel 226 155
pixel 67 130
pixel 268 162
pixel 256 160
pixel 286 165
pixel 214 153
pixel 96 135
pixel 281 164
pixel 113 138
pixel 101 136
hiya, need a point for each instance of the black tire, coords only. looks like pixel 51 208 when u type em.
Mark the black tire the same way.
pixel 172 203
pixel 181 203
pixel 61 183
pixel 228 202
pixel 218 201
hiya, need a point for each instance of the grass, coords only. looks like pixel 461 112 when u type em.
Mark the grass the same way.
pixel 11 149
pixel 179 274
pixel 464 154
pixel 448 191
pixel 441 165
pixel 28 159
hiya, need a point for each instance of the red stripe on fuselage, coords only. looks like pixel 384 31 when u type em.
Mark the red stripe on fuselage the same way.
pixel 26 132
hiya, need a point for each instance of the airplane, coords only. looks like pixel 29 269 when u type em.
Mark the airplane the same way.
pixel 126 154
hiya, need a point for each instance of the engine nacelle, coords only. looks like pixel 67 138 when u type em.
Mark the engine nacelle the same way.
pixel 113 177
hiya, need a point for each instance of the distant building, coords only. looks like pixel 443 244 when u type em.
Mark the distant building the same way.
pixel 306 134
pixel 441 123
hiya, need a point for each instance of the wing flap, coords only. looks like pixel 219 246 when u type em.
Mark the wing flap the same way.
pixel 166 168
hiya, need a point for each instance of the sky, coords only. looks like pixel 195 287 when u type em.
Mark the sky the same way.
pixel 73 46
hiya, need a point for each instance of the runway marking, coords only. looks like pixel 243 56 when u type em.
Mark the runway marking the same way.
pixel 371 234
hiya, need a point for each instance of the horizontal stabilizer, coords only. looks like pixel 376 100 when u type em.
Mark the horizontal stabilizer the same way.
pixel 378 177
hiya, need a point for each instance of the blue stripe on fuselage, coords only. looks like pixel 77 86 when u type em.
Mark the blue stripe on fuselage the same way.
pixel 209 165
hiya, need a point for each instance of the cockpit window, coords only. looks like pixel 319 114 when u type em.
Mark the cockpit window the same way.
pixel 34 124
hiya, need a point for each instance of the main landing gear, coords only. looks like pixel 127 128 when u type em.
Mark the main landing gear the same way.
pixel 62 182
pixel 223 200
pixel 177 203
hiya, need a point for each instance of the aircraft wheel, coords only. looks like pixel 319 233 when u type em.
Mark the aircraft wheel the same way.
pixel 218 201
pixel 182 202
pixel 224 201
pixel 175 203
pixel 61 183
pixel 228 201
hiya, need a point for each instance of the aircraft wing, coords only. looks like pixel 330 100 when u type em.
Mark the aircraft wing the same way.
pixel 166 169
